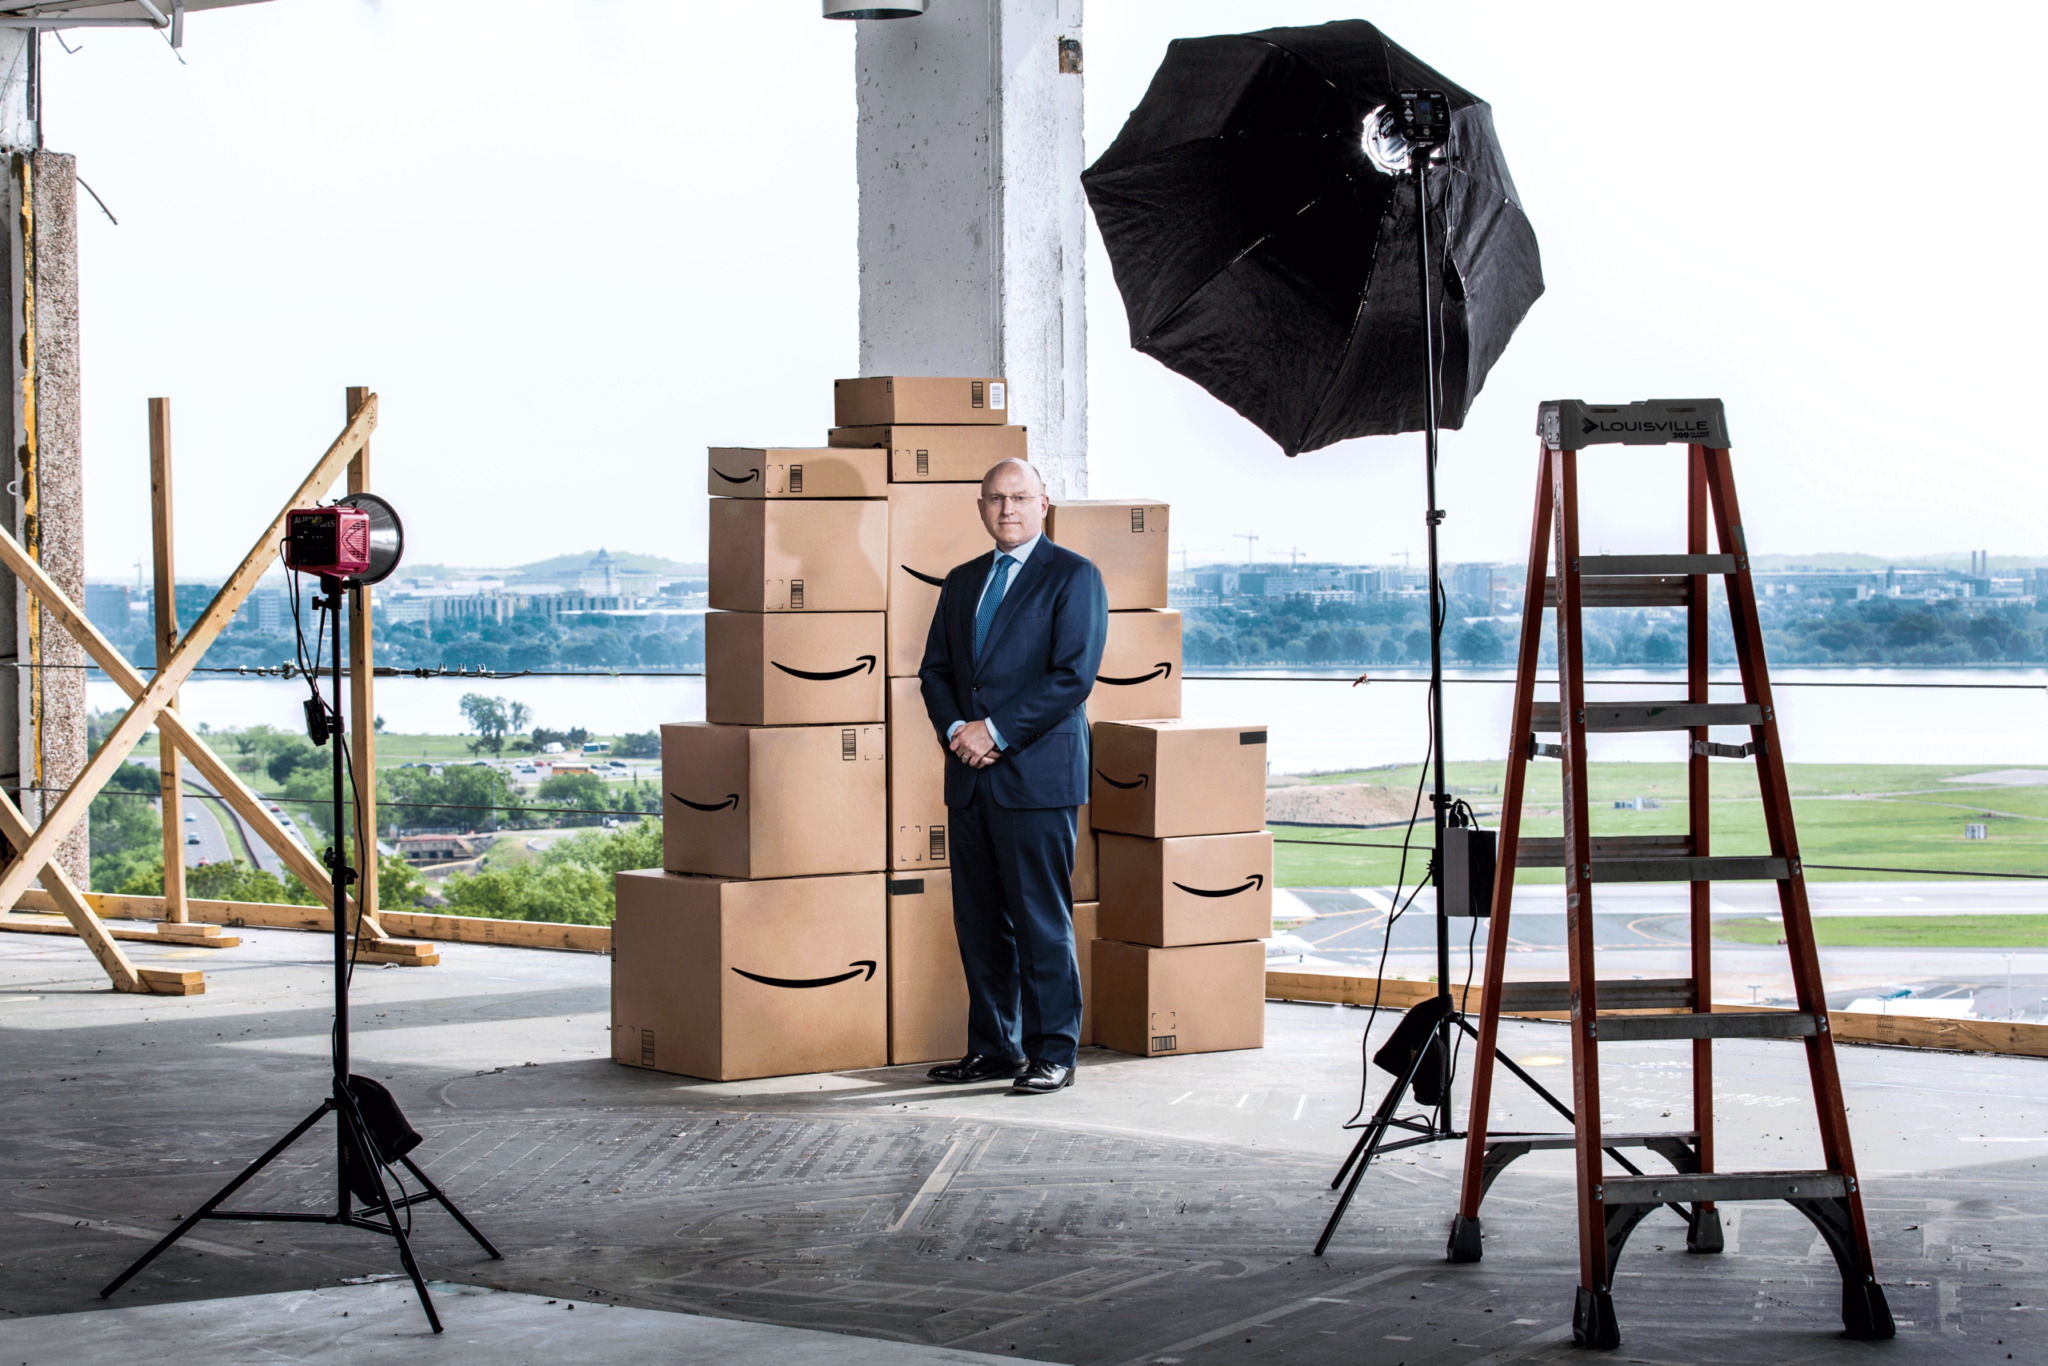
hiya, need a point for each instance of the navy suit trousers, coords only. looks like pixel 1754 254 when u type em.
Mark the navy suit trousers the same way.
pixel 1013 909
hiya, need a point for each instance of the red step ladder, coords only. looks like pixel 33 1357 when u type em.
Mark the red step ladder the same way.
pixel 1612 1202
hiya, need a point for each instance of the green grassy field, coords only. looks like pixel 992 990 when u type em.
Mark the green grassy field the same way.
pixel 1901 931
pixel 1885 815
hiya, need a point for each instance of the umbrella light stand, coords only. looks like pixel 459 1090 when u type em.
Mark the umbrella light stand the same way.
pixel 1418 1055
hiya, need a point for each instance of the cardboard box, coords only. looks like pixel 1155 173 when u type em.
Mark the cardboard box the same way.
pixel 927 985
pixel 1084 958
pixel 782 669
pixel 891 400
pixel 918 820
pixel 1141 663
pixel 1126 540
pixel 959 455
pixel 1084 880
pixel 1203 998
pixel 767 472
pixel 1166 778
pixel 725 979
pixel 932 529
pixel 799 555
pixel 778 801
pixel 1196 889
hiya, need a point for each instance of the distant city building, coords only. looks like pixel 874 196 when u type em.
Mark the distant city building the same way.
pixel 107 606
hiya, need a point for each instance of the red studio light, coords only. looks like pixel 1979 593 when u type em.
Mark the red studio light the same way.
pixel 357 539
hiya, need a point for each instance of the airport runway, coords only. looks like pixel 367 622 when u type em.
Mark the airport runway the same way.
pixel 1641 931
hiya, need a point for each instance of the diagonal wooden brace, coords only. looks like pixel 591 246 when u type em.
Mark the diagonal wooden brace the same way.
pixel 126 976
pixel 152 699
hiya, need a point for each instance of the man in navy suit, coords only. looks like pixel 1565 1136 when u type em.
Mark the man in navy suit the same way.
pixel 1012 655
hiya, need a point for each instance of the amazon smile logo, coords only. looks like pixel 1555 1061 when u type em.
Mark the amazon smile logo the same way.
pixel 922 578
pixel 867 662
pixel 1253 880
pixel 801 983
pixel 749 477
pixel 732 799
pixel 1143 780
pixel 1162 669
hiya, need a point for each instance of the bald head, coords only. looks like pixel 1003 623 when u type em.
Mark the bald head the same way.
pixel 1012 503
pixel 1023 467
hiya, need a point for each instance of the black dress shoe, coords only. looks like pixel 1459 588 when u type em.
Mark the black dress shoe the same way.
pixel 976 1067
pixel 1042 1078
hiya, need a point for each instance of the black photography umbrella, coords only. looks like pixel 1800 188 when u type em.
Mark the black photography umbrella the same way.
pixel 1320 231
pixel 1263 252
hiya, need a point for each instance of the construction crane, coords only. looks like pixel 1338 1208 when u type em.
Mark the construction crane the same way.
pixel 1251 543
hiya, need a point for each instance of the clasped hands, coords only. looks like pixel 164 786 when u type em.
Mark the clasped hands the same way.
pixel 973 746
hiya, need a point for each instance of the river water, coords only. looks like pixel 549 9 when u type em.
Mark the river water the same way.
pixel 1314 723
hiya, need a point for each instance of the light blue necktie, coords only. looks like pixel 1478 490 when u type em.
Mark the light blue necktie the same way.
pixel 990 601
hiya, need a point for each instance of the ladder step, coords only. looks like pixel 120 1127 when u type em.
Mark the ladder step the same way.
pixel 1661 590
pixel 1548 852
pixel 1716 868
pixel 1607 717
pixel 1748 1025
pixel 1656 564
pixel 1657 993
pixel 1569 1140
pixel 1680 1189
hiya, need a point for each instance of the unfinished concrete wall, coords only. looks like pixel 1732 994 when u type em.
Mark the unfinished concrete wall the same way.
pixel 971 214
pixel 59 482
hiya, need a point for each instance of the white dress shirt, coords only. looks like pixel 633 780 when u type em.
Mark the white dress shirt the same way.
pixel 1020 555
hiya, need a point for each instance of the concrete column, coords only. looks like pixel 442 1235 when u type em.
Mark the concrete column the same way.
pixel 42 502
pixel 971 214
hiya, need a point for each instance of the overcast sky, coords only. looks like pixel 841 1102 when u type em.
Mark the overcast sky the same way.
pixel 574 242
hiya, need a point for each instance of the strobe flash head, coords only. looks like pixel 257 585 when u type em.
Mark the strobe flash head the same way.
pixel 358 540
pixel 1414 120
pixel 1423 117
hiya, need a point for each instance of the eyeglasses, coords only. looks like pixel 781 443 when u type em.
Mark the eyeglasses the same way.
pixel 1020 499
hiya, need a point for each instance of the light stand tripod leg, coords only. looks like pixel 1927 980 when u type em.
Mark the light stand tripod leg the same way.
pixel 359 1135
pixel 223 1193
pixel 1369 1143
pixel 428 1185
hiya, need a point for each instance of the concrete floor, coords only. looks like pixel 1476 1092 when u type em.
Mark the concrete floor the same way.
pixel 1161 1211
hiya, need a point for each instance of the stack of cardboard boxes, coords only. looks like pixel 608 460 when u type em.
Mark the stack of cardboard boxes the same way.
pixel 1183 866
pixel 803 916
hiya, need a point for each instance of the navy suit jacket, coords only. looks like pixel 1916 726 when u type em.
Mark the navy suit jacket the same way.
pixel 1037 668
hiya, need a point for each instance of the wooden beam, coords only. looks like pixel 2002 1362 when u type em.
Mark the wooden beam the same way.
pixel 1907 1031
pixel 362 692
pixel 190 745
pixel 464 929
pixel 166 634
pixel 71 807
pixel 16 923
pixel 66 898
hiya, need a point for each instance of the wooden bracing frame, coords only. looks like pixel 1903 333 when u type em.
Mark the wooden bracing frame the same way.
pixel 153 704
